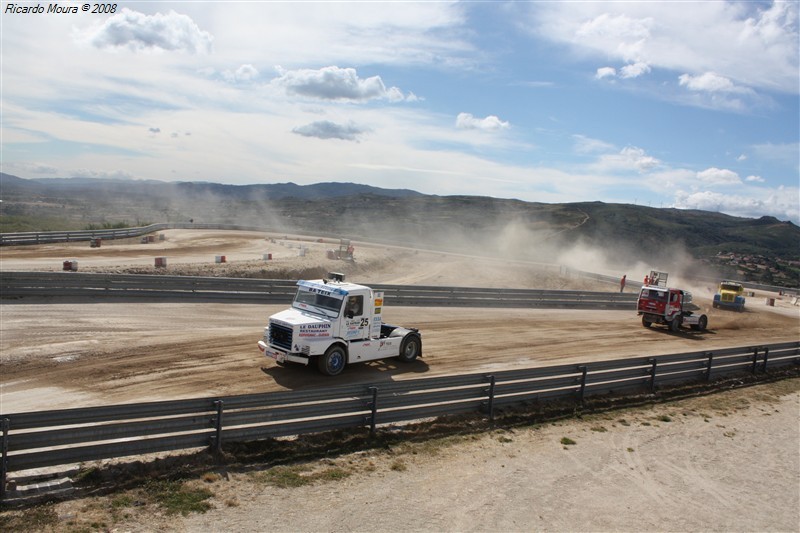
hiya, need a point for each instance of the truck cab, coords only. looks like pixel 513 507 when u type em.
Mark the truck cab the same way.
pixel 336 323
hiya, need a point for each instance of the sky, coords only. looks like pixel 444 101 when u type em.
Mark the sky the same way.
pixel 693 105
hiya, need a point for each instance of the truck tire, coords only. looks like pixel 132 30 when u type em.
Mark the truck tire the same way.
pixel 333 362
pixel 675 324
pixel 702 323
pixel 646 323
pixel 410 348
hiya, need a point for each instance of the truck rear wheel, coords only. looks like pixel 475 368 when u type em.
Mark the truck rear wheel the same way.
pixel 333 362
pixel 410 348
pixel 646 323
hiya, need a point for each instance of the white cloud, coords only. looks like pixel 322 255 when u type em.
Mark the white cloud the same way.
pixel 243 74
pixel 780 203
pixel 336 84
pixel 465 121
pixel 753 45
pixel 606 72
pixel 718 176
pixel 136 31
pixel 627 35
pixel 757 179
pixel 711 83
pixel 629 158
pixel 742 157
pixel 634 70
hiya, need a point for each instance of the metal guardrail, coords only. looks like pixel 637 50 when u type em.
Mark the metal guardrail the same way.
pixel 77 284
pixel 59 437
pixel 43 237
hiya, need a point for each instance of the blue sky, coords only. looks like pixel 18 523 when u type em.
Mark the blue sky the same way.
pixel 667 104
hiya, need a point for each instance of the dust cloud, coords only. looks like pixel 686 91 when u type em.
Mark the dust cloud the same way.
pixel 472 226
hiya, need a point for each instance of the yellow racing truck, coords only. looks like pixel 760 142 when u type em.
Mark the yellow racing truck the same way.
pixel 730 295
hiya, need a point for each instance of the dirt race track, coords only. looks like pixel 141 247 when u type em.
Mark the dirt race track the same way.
pixel 726 462
pixel 58 354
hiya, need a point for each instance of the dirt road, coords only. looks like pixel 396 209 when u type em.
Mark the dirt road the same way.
pixel 59 354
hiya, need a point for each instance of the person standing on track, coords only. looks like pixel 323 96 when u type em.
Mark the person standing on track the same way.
pixel 622 283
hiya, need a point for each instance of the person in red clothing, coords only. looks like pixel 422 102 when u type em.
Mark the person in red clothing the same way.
pixel 622 283
pixel 646 279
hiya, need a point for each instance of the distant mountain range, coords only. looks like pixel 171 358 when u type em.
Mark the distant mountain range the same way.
pixel 622 233
pixel 276 191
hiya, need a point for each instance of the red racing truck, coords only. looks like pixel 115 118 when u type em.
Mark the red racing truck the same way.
pixel 658 304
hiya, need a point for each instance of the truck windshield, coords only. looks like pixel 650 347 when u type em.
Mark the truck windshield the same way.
pixel 651 294
pixel 726 287
pixel 317 303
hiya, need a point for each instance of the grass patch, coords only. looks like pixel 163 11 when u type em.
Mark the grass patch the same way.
pixel 566 441
pixel 664 418
pixel 88 475
pixel 286 477
pixel 177 497
pixel 37 518
pixel 599 429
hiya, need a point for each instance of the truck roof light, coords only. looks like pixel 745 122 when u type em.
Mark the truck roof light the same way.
pixel 336 276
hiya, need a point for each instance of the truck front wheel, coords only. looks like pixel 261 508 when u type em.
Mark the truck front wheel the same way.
pixel 675 324
pixel 410 348
pixel 332 363
pixel 646 323
pixel 702 324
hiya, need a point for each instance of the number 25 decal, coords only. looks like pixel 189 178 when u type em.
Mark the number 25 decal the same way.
pixel 364 322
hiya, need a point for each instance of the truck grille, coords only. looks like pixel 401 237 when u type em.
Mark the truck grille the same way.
pixel 280 336
pixel 727 297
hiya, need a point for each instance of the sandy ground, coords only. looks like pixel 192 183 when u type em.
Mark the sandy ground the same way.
pixel 727 463
pixel 94 353
pixel 57 355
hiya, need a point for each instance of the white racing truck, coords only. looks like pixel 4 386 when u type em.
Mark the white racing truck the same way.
pixel 336 323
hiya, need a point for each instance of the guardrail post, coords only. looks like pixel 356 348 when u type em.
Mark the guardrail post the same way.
pixel 653 362
pixel 6 423
pixel 708 365
pixel 755 360
pixel 218 424
pixel 584 370
pixel 490 404
pixel 374 408
pixel 766 357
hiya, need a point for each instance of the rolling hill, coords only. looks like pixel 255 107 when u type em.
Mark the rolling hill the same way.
pixel 764 249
